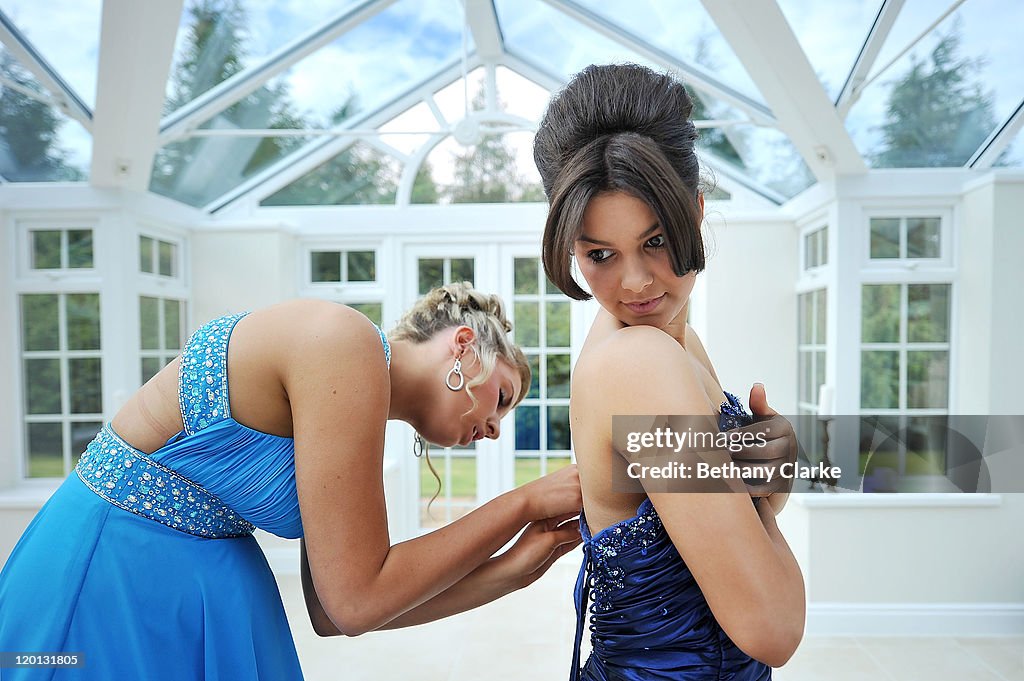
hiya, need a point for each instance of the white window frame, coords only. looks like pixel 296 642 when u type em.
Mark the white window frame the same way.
pixel 943 211
pixel 910 271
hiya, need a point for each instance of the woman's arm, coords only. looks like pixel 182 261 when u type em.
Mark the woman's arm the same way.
pixel 338 385
pixel 533 553
pixel 739 559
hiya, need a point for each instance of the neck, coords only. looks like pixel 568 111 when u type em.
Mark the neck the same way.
pixel 408 380
pixel 677 327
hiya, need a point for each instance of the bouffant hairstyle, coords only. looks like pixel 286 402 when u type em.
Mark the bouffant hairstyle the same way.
pixel 459 304
pixel 619 128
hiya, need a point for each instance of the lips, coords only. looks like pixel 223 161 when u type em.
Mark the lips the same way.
pixel 644 306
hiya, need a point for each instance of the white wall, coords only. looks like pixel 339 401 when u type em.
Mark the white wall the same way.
pixel 748 302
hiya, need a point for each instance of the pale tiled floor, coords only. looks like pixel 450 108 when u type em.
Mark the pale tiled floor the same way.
pixel 529 635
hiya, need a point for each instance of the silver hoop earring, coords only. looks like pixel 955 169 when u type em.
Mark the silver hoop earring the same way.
pixel 456 371
pixel 419 445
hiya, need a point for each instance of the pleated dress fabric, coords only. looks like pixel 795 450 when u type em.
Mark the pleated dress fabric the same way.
pixel 145 565
pixel 649 619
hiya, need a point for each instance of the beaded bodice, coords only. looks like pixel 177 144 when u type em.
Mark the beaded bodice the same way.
pixel 216 478
pixel 641 595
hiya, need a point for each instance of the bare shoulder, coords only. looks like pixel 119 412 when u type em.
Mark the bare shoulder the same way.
pixel 324 339
pixel 696 348
pixel 638 369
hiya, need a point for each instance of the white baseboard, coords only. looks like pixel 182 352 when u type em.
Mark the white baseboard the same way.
pixel 915 619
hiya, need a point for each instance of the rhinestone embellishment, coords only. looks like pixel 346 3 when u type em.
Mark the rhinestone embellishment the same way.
pixel 132 481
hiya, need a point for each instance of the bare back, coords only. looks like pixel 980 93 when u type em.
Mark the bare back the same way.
pixel 257 354
pixel 591 431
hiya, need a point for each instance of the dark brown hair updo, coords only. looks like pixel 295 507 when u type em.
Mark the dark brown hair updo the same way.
pixel 619 128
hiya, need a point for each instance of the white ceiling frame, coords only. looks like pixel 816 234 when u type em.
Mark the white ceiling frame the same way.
pixel 695 75
pixel 761 37
pixel 136 50
pixel 869 51
pixel 723 167
pixel 483 24
pixel 533 72
pixel 65 99
pixel 226 93
pixel 321 150
pixel 989 151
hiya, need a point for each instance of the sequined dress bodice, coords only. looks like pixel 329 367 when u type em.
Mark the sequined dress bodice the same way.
pixel 250 471
pixel 648 617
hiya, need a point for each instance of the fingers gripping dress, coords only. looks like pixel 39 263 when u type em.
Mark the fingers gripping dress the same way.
pixel 146 564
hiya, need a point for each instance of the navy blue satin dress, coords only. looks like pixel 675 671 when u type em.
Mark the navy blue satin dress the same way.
pixel 648 618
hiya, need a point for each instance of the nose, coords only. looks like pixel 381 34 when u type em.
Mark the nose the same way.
pixel 636 276
pixel 493 426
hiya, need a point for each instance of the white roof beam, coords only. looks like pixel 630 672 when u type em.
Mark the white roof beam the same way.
pixel 63 95
pixel 989 151
pixel 136 50
pixel 533 72
pixel 695 75
pixel 884 21
pixel 226 93
pixel 483 24
pixel 766 46
pixel 323 149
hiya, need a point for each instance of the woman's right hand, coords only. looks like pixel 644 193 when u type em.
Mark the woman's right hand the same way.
pixel 554 495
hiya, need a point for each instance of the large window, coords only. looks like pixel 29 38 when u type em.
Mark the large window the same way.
pixel 905 373
pixel 161 333
pixel 60 249
pixel 346 275
pixel 456 466
pixel 62 379
pixel 542 329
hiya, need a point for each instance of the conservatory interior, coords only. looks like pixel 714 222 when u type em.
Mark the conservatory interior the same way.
pixel 162 163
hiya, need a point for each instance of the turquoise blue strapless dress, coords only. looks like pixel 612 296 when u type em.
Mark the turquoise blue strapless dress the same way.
pixel 648 617
pixel 146 564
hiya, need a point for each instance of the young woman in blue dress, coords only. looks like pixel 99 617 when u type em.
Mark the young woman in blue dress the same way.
pixel 684 585
pixel 143 563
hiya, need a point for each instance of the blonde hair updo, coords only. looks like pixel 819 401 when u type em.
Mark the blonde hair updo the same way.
pixel 459 304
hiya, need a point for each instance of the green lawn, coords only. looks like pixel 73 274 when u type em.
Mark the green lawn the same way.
pixel 463 474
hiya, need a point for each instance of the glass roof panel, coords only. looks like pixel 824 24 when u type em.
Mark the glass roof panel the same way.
pixel 451 100
pixel 67 34
pixel 411 129
pixel 831 35
pixel 358 175
pixel 543 36
pixel 765 155
pixel 218 38
pixel 694 41
pixel 1013 154
pixel 498 170
pixel 37 142
pixel 520 96
pixel 936 104
pixel 366 68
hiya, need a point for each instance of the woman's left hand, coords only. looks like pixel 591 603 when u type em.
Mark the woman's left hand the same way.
pixel 538 547
pixel 780 446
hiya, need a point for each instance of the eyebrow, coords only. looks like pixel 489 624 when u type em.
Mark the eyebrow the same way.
pixel 597 242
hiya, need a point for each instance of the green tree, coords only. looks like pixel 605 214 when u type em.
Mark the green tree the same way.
pixel 358 175
pixel 487 172
pixel 424 189
pixel 215 50
pixel 197 170
pixel 938 113
pixel 28 132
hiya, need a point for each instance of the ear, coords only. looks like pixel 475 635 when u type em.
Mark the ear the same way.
pixel 462 339
pixel 700 202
